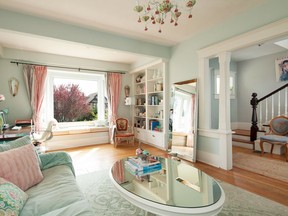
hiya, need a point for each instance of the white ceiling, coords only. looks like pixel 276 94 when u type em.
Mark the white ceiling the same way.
pixel 118 17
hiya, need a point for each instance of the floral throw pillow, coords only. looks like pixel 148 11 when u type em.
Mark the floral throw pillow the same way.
pixel 12 198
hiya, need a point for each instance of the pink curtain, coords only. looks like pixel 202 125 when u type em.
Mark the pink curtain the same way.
pixel 28 71
pixel 35 79
pixel 113 93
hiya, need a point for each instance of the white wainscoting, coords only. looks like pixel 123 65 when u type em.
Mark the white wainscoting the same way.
pixel 208 158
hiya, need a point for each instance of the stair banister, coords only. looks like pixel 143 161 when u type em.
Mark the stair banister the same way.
pixel 254 127
pixel 255 101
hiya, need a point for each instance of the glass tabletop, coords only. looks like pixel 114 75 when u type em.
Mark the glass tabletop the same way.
pixel 173 183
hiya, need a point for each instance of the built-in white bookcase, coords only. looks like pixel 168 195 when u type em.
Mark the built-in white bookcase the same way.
pixel 149 111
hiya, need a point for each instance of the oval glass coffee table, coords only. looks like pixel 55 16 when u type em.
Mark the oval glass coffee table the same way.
pixel 176 188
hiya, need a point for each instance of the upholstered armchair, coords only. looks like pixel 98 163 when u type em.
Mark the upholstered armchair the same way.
pixel 278 134
pixel 123 131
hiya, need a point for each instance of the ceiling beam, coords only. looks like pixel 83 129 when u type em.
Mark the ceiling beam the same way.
pixel 51 29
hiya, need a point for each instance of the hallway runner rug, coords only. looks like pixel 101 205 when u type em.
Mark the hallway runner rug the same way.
pixel 106 201
pixel 264 166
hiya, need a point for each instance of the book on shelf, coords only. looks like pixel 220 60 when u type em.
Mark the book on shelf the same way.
pixel 154 124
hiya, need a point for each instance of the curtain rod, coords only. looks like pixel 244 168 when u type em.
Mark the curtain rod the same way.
pixel 63 67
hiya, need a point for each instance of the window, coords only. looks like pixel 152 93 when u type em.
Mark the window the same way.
pixel 91 85
pixel 231 83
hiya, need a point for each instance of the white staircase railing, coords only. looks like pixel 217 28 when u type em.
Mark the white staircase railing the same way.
pixel 273 106
pixel 270 106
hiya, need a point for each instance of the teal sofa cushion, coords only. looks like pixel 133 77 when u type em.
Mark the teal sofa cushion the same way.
pixel 15 143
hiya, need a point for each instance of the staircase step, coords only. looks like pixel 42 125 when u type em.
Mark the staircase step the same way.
pixel 243 141
pixel 242 132
pixel 236 136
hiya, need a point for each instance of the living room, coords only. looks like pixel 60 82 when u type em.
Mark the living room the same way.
pixel 183 59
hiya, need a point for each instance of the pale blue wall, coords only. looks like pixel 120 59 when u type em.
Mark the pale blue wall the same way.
pixel 257 75
pixel 19 106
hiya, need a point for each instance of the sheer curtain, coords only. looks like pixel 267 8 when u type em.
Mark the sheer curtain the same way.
pixel 35 79
pixel 114 81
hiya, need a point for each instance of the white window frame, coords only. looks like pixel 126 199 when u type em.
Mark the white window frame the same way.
pixel 48 109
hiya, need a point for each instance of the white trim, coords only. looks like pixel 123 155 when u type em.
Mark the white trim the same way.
pixel 213 133
pixel 144 67
pixel 66 74
pixel 261 34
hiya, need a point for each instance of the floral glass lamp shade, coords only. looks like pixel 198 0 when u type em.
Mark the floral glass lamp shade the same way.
pixel 162 11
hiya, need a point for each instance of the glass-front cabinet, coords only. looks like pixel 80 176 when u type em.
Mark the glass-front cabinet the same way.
pixel 149 114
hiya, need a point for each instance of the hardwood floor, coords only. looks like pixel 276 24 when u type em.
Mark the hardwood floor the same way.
pixel 99 157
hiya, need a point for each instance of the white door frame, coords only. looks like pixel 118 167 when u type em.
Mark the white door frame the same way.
pixel 223 51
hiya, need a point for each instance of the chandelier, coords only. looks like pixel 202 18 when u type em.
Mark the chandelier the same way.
pixel 156 12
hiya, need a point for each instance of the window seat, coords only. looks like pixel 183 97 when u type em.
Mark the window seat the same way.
pixel 78 130
pixel 77 134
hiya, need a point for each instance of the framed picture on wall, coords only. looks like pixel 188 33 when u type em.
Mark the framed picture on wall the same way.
pixel 281 67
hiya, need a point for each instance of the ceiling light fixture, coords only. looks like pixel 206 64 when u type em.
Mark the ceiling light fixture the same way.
pixel 157 11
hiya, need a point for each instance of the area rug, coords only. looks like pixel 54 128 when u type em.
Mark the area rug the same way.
pixel 105 199
pixel 264 166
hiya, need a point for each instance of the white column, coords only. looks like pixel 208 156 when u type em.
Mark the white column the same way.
pixel 224 96
pixel 224 111
pixel 204 94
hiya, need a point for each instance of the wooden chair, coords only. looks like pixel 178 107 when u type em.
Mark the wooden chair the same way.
pixel 278 134
pixel 123 131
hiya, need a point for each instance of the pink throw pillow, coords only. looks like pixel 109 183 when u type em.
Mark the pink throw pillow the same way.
pixel 21 167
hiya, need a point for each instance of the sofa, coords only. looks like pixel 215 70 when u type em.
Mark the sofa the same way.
pixel 52 190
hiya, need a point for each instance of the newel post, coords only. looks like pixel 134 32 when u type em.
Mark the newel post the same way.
pixel 254 126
